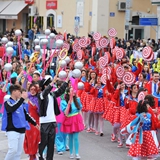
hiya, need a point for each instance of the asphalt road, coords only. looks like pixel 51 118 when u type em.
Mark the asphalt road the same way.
pixel 92 147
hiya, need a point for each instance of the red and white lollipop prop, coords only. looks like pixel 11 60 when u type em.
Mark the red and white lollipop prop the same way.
pixel 104 77
pixel 96 36
pixel 107 71
pixel 102 62
pixel 120 71
pixel 146 52
pixel 76 47
pixel 119 53
pixel 66 45
pixel 83 42
pixel 112 32
pixel 141 96
pixel 129 78
pixel 59 36
pixel 103 42
pixel 150 58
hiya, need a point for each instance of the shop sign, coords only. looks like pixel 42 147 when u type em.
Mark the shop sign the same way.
pixel 29 1
pixel 51 4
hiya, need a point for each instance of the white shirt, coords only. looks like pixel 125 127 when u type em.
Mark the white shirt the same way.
pixel 50 115
pixel 153 87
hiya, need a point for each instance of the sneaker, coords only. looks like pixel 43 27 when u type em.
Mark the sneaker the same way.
pixel 88 130
pixel 96 133
pixel 67 148
pixel 93 130
pixel 120 146
pixel 41 158
pixel 78 157
pixel 101 134
pixel 113 139
pixel 118 140
pixel 60 153
pixel 71 156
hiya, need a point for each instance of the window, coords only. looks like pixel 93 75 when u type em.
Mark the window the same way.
pixel 50 20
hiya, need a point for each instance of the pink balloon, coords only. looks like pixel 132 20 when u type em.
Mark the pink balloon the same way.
pixel 29 78
pixel 74 83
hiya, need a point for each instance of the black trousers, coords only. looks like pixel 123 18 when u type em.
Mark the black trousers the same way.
pixel 48 132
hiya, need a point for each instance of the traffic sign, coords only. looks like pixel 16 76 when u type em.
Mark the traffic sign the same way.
pixel 112 14
pixel 76 30
pixel 77 20
pixel 148 21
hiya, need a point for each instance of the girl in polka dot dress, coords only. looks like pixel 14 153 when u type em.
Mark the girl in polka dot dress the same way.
pixel 145 144
pixel 118 111
pixel 97 106
pixel 91 83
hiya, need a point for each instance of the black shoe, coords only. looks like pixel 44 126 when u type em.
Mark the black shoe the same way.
pixel 101 134
pixel 41 158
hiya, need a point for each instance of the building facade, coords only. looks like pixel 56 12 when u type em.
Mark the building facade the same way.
pixel 82 16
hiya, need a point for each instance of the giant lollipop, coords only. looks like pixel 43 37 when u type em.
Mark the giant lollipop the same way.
pixel 36 41
pixel 18 33
pixel 47 32
pixel 44 43
pixel 9 52
pixel 52 39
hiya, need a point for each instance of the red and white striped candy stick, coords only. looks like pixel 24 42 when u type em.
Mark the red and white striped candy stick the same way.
pixel 112 43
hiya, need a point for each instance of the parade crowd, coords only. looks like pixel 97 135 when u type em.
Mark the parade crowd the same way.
pixel 48 95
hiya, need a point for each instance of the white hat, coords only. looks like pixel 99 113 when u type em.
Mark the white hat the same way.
pixel 36 72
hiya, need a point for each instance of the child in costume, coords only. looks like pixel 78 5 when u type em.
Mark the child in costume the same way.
pixel 73 122
pixel 143 137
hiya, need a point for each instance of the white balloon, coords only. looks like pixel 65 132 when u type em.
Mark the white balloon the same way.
pixel 36 41
pixel 37 48
pixel 59 43
pixel 80 86
pixel 78 65
pixel 52 36
pixel 44 41
pixel 6 97
pixel 76 73
pixel 9 51
pixel 62 75
pixel 10 44
pixel 47 32
pixel 67 59
pixel 7 67
pixel 4 40
pixel 18 32
pixel 63 63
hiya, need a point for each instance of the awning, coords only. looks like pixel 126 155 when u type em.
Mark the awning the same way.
pixel 12 10
pixel 4 4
